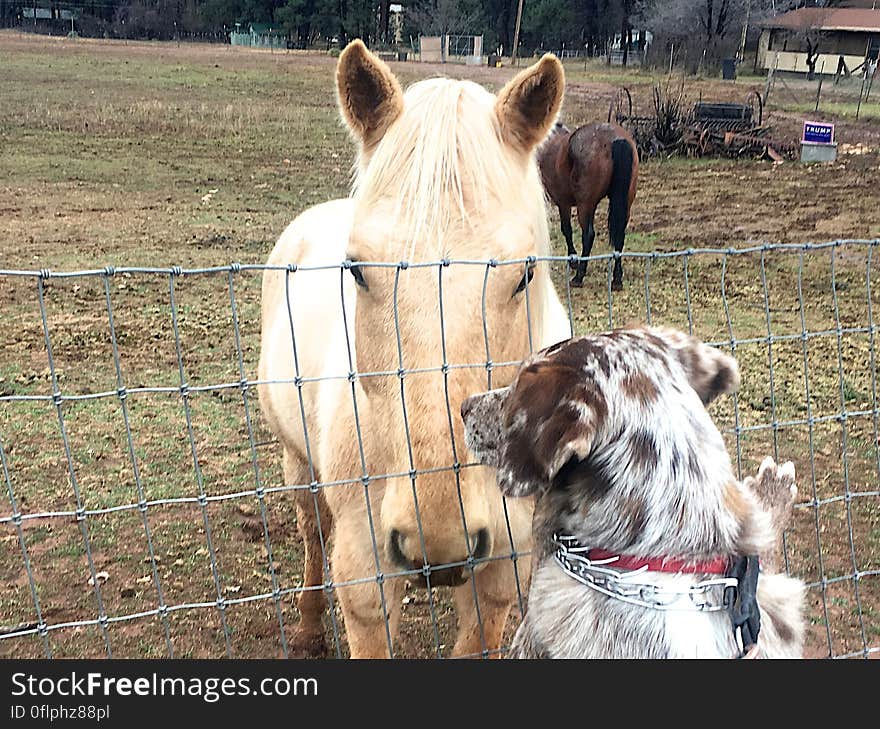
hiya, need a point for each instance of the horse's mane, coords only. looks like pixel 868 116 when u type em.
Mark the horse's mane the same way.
pixel 443 162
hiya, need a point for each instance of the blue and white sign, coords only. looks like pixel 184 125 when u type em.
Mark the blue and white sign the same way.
pixel 818 133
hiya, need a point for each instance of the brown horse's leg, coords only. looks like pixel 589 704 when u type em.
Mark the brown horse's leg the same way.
pixel 365 607
pixel 496 593
pixel 308 638
pixel 565 224
pixel 588 235
pixel 617 220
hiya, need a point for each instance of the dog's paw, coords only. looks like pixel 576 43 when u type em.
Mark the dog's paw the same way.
pixel 774 486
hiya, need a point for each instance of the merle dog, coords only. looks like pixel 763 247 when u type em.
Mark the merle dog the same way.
pixel 639 519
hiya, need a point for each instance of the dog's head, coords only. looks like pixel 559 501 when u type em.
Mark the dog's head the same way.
pixel 623 400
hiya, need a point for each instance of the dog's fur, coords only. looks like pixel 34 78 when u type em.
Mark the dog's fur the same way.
pixel 612 433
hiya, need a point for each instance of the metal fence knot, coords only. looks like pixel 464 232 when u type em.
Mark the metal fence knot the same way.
pixel 235 267
pixel 352 375
pixel 445 262
pixel 109 271
pixel 184 389
pixel 57 397
pixel 176 271
pixel 45 274
pixel 403 265
pixel 80 513
pixel 291 268
pixel 121 393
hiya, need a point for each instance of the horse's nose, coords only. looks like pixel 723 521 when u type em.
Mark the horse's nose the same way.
pixel 466 407
pixel 449 566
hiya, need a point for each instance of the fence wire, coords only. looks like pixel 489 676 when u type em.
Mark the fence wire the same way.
pixel 799 318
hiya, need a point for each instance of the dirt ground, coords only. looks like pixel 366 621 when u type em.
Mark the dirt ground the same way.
pixel 137 154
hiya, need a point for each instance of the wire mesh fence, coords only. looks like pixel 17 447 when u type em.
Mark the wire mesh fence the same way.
pixel 147 514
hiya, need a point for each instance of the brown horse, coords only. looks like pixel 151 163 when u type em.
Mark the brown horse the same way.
pixel 578 169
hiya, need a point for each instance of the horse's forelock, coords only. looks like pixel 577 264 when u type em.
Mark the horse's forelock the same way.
pixel 443 164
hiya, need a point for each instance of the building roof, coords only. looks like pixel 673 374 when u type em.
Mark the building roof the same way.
pixel 848 19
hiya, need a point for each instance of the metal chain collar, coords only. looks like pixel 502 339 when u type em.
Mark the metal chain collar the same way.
pixel 599 575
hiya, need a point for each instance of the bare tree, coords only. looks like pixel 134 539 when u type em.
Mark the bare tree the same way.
pixel 703 26
pixel 439 17
pixel 807 32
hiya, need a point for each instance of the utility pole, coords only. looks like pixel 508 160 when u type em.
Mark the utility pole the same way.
pixel 516 33
pixel 745 30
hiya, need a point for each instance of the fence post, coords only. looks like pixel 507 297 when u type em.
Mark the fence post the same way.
pixel 861 93
pixel 818 93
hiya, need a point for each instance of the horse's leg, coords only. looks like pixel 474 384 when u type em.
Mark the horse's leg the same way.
pixel 308 637
pixel 565 224
pixel 617 220
pixel 365 607
pixel 588 235
pixel 497 594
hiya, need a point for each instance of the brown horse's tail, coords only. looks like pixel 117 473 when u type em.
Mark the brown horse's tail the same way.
pixel 618 193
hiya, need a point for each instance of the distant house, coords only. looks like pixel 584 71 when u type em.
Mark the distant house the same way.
pixel 258 35
pixel 852 34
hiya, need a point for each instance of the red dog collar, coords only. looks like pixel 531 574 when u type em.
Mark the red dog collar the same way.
pixel 717 566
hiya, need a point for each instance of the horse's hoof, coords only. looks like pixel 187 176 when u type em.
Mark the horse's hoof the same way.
pixel 307 644
pixel 617 285
pixel 577 283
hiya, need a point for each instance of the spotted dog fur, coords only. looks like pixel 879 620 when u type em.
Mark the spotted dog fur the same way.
pixel 611 432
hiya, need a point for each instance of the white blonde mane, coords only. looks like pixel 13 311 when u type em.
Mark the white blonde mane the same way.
pixel 446 169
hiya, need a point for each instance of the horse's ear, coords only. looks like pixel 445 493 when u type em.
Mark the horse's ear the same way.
pixel 528 105
pixel 370 98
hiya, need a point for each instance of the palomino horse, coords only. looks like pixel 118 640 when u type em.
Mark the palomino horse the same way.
pixel 578 169
pixel 445 171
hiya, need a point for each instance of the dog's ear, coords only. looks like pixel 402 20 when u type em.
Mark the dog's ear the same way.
pixel 710 372
pixel 482 417
pixel 551 416
pixel 369 96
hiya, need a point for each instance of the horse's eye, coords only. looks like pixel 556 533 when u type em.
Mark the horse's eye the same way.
pixel 525 280
pixel 358 274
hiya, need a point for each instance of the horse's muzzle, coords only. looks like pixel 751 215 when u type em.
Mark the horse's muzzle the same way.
pixel 450 574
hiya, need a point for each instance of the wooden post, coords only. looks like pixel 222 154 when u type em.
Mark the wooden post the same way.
pixel 770 72
pixel 861 93
pixel 818 93
pixel 519 10
pixel 671 52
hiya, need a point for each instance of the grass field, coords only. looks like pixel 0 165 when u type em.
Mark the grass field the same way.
pixel 148 155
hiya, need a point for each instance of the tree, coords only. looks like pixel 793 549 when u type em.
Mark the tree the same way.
pixel 704 28
pixel 808 33
pixel 440 17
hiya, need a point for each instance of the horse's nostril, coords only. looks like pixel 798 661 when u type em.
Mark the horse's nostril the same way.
pixel 395 548
pixel 481 544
